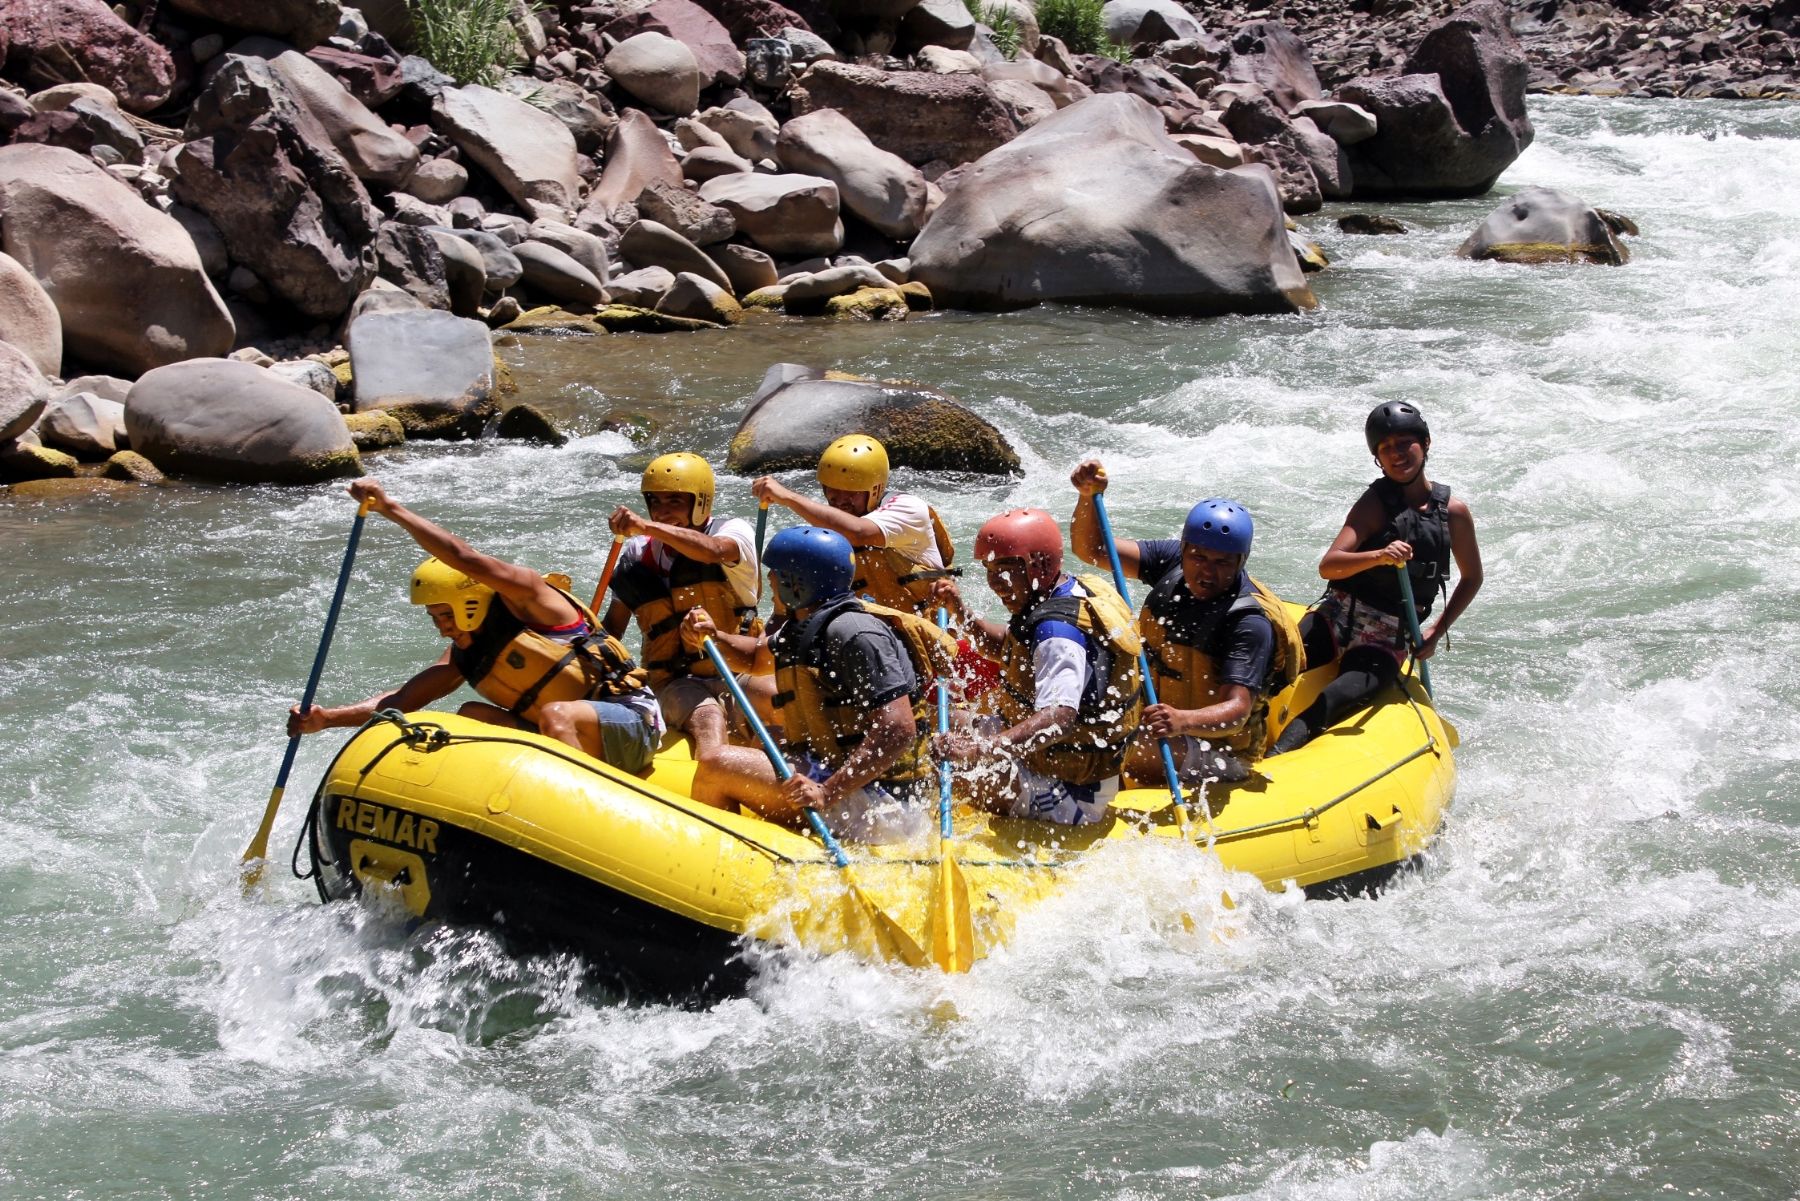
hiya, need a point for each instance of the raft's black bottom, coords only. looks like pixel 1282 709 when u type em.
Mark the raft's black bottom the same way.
pixel 641 949
pixel 1364 885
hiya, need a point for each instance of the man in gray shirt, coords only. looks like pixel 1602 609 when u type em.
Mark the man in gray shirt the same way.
pixel 852 686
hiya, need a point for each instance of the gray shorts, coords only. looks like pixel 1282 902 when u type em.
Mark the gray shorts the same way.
pixel 627 738
pixel 682 695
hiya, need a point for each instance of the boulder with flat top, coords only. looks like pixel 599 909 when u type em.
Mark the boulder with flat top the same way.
pixel 799 411
pixel 1543 225
pixel 432 370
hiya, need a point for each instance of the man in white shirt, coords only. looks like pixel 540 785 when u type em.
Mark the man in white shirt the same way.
pixel 681 557
pixel 900 542
pixel 1054 733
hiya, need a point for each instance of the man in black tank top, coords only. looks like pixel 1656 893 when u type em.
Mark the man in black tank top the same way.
pixel 1403 518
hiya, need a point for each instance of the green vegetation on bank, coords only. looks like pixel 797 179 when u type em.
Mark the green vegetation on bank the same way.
pixel 472 41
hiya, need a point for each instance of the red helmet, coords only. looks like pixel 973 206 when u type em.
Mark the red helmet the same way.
pixel 1029 534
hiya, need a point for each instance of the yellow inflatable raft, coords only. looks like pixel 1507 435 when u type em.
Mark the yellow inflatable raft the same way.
pixel 463 822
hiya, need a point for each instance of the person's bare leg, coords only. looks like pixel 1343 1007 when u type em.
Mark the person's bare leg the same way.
pixel 760 690
pixel 706 726
pixel 493 715
pixel 573 723
pixel 737 775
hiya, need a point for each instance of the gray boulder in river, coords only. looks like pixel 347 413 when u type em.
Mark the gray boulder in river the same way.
pixel 799 411
pixel 1097 203
pixel 230 420
pixel 126 280
pixel 433 370
pixel 1455 120
pixel 1542 225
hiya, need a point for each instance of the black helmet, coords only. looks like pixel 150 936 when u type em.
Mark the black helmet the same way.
pixel 1394 417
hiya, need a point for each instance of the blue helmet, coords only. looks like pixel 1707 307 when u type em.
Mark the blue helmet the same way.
pixel 811 565
pixel 1219 524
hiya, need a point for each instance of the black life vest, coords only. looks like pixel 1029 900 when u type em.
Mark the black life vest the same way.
pixel 1428 532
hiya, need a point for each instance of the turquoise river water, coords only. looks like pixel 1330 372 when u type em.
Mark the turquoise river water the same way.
pixel 1589 991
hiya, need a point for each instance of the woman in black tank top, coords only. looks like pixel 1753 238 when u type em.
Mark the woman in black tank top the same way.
pixel 1401 518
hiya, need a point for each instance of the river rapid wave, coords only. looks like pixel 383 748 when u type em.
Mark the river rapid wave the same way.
pixel 1588 991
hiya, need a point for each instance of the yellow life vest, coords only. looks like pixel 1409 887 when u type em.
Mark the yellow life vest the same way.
pixel 1094 750
pixel 660 605
pixel 1183 664
pixel 890 578
pixel 521 670
pixel 827 723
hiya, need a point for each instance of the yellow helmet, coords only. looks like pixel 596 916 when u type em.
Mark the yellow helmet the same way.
pixel 437 583
pixel 682 472
pixel 854 463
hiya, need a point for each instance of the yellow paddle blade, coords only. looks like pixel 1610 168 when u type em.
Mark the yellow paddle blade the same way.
pixel 948 923
pixel 889 939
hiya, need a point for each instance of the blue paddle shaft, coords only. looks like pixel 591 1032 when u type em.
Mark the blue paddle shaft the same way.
pixel 1412 625
pixel 776 759
pixel 318 667
pixel 1118 572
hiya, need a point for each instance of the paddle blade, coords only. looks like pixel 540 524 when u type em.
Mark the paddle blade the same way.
pixel 890 939
pixel 949 926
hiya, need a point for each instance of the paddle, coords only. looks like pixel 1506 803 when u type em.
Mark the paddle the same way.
pixel 1412 626
pixel 948 922
pixel 612 561
pixel 1168 755
pixel 890 939
pixel 762 527
pixel 258 850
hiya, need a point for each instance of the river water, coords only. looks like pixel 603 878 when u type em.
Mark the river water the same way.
pixel 1590 990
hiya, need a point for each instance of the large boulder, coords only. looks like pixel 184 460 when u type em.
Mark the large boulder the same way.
pixel 528 152
pixel 799 411
pixel 85 425
pixel 881 188
pixel 677 208
pixel 23 392
pixel 637 155
pixel 229 420
pixel 303 23
pixel 745 19
pixel 917 115
pixel 28 317
pixel 1269 55
pixel 1151 21
pixel 374 151
pixel 432 370
pixel 1455 120
pixel 790 215
pixel 288 205
pixel 127 283
pixel 650 243
pixel 408 257
pixel 550 272
pixel 56 40
pixel 718 59
pixel 1098 204
pixel 1543 225
pixel 588 116
pixel 658 70
pixel 945 23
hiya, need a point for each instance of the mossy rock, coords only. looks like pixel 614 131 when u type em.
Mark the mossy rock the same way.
pixel 771 297
pixel 868 304
pixel 130 467
pixel 528 423
pixel 378 429
pixel 799 411
pixel 67 488
pixel 21 461
pixel 918 296
pixel 549 319
pixel 625 318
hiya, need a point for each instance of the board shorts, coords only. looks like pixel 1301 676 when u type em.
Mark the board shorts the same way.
pixel 680 696
pixel 1355 623
pixel 875 813
pixel 627 737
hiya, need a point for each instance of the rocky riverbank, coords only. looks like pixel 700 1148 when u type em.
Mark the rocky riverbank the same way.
pixel 267 239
